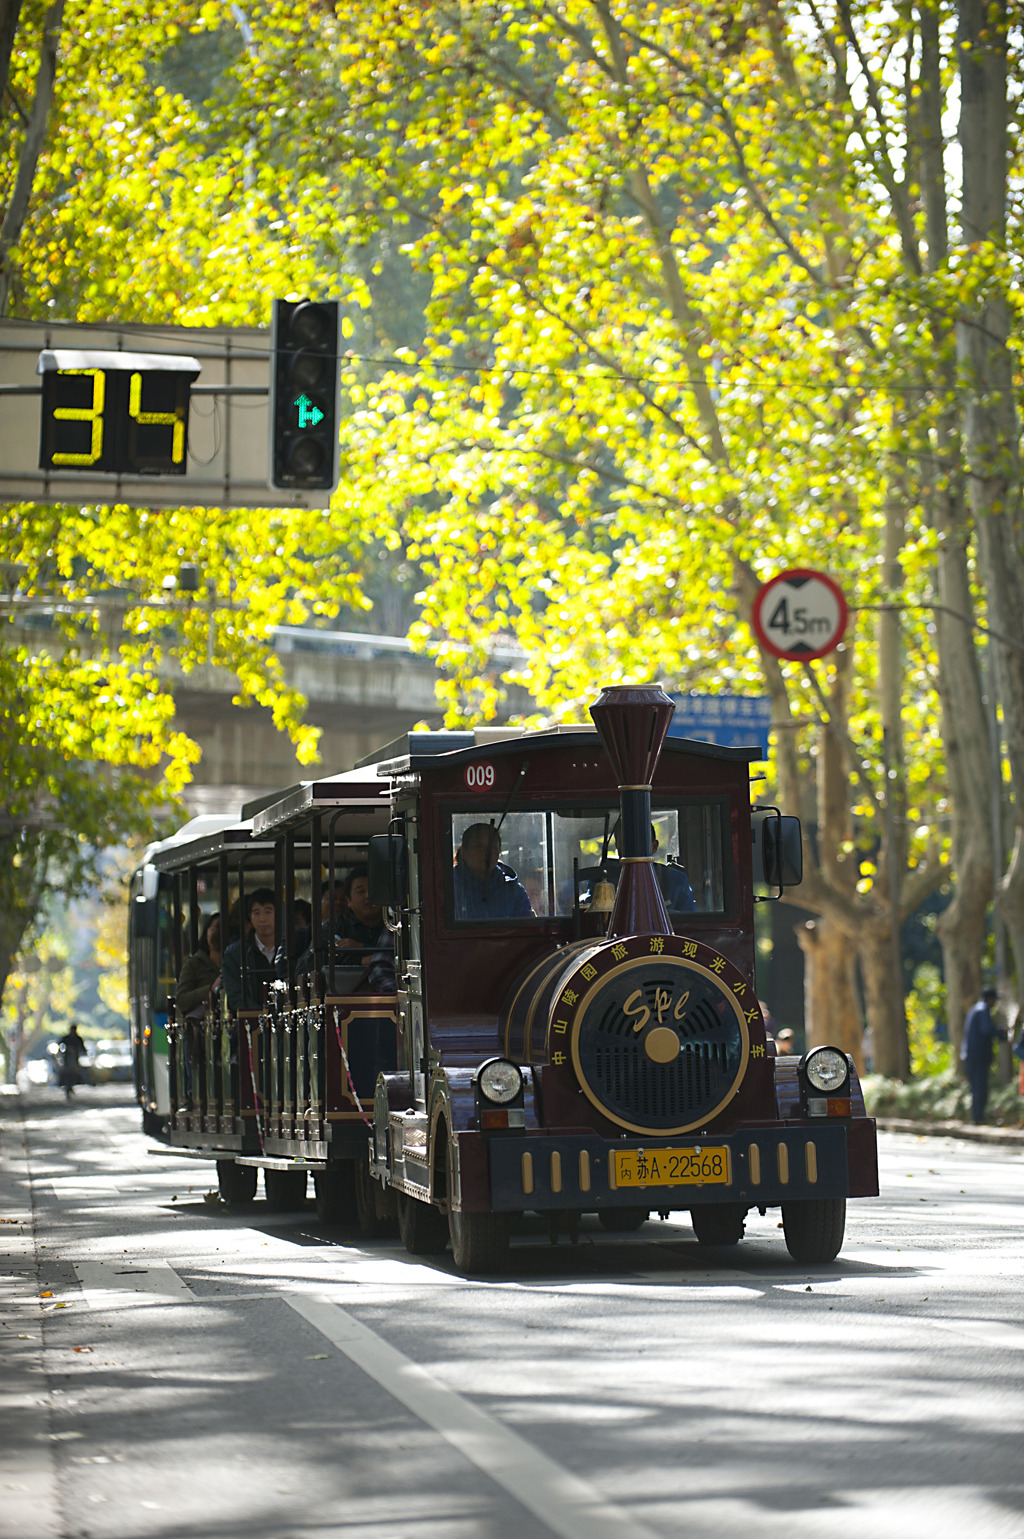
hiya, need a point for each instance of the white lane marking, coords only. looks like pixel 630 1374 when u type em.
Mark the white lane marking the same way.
pixel 566 1505
pixel 133 1282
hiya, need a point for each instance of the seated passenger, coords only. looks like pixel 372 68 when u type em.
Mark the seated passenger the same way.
pixel 674 884
pixel 359 927
pixel 380 974
pixel 672 879
pixel 201 971
pixel 259 949
pixel 360 923
pixel 340 900
pixel 485 888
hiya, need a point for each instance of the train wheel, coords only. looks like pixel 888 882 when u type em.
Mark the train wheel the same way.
pixel 814 1230
pixel 237 1183
pixel 622 1220
pixel 479 1240
pixel 376 1222
pixel 285 1189
pixel 720 1223
pixel 335 1190
pixel 423 1228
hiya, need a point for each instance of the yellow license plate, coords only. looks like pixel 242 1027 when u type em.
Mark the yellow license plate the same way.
pixel 705 1166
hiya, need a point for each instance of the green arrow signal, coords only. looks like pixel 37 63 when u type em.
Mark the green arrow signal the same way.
pixel 309 415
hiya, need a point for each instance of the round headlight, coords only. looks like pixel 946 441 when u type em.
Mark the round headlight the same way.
pixel 826 1069
pixel 500 1081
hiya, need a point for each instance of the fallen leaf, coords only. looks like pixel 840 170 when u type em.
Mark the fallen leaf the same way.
pixel 82 1349
pixel 318 1357
pixel 48 1294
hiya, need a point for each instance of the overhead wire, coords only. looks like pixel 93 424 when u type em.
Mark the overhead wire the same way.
pixel 555 371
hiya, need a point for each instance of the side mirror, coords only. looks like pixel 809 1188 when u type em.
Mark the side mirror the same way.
pixel 778 850
pixel 386 868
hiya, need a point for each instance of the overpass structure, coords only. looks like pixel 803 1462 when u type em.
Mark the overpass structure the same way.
pixel 363 691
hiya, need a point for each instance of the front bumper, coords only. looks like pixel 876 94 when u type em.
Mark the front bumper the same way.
pixel 767 1166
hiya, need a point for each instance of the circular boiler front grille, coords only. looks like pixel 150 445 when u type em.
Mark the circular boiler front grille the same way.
pixel 660 1045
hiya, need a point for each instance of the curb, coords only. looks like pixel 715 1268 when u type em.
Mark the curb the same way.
pixel 28 1470
pixel 1012 1138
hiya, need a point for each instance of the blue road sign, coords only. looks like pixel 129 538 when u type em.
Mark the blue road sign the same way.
pixel 731 721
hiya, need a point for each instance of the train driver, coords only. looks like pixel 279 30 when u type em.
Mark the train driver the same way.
pixel 485 888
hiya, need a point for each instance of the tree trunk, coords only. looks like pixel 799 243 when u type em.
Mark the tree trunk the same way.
pixel 991 428
pixel 10 10
pixel 831 1010
pixel 962 925
pixel 35 135
pixel 890 1050
pixel 24 880
pixel 892 854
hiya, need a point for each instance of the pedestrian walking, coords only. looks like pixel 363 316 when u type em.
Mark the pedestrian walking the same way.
pixel 980 1034
pixel 72 1051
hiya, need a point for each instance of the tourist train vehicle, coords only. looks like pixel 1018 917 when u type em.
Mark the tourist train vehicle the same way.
pixel 574 1029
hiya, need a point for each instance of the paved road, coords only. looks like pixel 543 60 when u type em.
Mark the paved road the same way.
pixel 172 1370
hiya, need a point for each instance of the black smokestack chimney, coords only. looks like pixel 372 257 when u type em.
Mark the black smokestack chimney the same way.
pixel 632 721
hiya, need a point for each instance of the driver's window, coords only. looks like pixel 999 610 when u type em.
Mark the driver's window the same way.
pixel 501 874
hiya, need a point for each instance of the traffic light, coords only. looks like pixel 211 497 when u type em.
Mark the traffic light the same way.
pixel 304 395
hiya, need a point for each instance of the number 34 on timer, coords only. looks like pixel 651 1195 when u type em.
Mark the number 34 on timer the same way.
pixel 115 413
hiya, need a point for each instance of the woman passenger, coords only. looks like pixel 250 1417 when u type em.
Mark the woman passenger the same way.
pixel 201 971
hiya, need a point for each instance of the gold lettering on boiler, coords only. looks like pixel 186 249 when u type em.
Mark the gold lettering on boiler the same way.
pixel 636 1011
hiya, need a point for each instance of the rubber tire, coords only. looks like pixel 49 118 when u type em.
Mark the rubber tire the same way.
pixel 479 1240
pixel 623 1220
pixel 335 1190
pixel 285 1190
pixel 236 1183
pixel 375 1222
pixel 424 1228
pixel 720 1223
pixel 814 1230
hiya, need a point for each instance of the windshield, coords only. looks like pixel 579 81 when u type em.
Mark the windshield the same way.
pixel 525 869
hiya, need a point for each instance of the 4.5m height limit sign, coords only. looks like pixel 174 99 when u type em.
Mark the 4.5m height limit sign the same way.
pixel 799 615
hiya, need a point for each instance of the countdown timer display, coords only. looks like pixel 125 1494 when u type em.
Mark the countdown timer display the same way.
pixel 115 413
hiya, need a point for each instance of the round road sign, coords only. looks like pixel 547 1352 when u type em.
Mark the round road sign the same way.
pixel 799 614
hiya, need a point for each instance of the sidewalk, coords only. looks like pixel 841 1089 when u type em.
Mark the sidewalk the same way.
pixel 28 1485
pixel 1012 1138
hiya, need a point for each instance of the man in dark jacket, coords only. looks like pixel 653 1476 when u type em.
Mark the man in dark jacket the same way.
pixel 259 954
pixel 485 888
pixel 980 1032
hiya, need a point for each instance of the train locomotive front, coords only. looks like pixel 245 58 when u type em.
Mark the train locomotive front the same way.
pixel 632 1068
